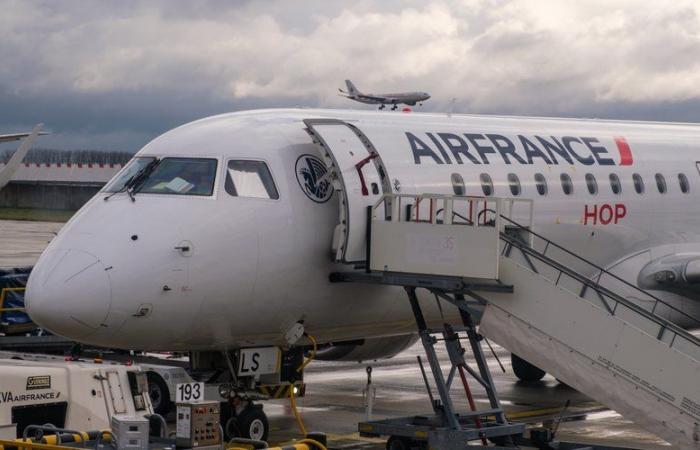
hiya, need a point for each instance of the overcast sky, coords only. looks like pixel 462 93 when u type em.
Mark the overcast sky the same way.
pixel 114 75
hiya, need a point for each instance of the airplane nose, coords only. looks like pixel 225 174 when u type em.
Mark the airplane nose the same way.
pixel 68 293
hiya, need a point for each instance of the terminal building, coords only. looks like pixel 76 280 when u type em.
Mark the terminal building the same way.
pixel 57 185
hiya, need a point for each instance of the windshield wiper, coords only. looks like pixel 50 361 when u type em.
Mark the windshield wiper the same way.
pixel 121 189
pixel 134 185
pixel 135 180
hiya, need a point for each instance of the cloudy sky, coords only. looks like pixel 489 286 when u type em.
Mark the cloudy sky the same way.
pixel 113 75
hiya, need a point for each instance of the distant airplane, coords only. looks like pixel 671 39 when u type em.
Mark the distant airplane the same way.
pixel 18 136
pixel 11 167
pixel 407 98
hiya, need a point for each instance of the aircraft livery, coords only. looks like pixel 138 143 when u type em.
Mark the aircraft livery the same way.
pixel 474 148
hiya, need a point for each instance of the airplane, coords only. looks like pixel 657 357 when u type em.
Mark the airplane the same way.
pixel 200 245
pixel 13 164
pixel 408 98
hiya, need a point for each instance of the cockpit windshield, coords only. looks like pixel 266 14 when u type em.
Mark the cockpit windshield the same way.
pixel 175 176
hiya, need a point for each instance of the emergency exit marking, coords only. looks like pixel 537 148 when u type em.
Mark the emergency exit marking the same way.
pixel 187 392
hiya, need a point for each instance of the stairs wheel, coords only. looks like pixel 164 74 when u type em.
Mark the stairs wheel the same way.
pixel 399 443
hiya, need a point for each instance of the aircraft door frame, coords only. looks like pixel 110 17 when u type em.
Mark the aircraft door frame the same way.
pixel 358 174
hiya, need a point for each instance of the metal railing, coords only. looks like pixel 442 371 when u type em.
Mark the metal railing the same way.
pixel 594 283
pixel 436 209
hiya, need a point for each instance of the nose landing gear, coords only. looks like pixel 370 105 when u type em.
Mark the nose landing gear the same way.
pixel 246 420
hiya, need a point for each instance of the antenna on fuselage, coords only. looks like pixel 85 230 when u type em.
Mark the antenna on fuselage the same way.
pixel 451 109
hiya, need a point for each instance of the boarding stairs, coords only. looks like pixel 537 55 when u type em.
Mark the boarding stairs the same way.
pixel 540 301
pixel 574 325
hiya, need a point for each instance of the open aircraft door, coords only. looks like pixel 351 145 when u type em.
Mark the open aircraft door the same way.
pixel 358 174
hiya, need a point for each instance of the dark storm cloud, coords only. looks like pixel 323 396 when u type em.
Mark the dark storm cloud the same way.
pixel 116 74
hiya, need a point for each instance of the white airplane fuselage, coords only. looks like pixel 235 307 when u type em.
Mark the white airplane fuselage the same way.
pixel 254 266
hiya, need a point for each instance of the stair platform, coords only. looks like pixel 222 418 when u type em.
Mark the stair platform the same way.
pixel 443 283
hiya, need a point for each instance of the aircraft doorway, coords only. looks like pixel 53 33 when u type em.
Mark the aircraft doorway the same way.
pixel 358 174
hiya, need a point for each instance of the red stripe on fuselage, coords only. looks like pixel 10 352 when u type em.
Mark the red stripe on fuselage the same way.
pixel 625 153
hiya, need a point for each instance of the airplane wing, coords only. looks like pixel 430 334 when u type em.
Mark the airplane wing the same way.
pixel 16 136
pixel 16 159
pixel 376 98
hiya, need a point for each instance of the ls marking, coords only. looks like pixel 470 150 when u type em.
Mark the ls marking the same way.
pixel 604 214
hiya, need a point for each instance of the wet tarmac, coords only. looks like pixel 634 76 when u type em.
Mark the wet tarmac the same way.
pixel 335 397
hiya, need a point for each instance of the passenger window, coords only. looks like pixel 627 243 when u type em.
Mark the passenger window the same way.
pixel 683 182
pixel 181 176
pixel 660 183
pixel 592 184
pixel 486 184
pixel 514 183
pixel 458 184
pixel 250 179
pixel 540 184
pixel 638 183
pixel 615 183
pixel 566 184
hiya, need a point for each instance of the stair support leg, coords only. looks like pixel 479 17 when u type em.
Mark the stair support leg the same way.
pixel 448 411
pixel 481 362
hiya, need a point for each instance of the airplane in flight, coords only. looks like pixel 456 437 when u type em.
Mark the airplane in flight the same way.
pixel 12 165
pixel 407 98
pixel 199 245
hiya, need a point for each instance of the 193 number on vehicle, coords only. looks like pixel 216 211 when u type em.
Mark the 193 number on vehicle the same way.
pixel 187 392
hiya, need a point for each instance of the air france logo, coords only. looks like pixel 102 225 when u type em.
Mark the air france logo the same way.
pixel 473 148
pixel 310 174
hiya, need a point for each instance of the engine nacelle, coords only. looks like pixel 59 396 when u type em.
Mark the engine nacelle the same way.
pixel 367 349
pixel 669 272
pixel 680 273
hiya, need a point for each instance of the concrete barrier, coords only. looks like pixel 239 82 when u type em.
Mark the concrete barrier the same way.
pixel 47 194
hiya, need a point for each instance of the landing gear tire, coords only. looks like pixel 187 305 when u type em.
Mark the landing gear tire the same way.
pixel 253 424
pixel 159 393
pixel 526 371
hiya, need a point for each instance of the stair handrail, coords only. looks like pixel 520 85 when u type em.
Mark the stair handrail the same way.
pixel 595 284
pixel 665 324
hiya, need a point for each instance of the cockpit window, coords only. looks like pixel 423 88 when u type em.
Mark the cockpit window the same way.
pixel 246 178
pixel 181 176
pixel 125 176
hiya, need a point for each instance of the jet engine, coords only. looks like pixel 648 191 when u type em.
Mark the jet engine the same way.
pixel 675 273
pixel 667 273
pixel 367 349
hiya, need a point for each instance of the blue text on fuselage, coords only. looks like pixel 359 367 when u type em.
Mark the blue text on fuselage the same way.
pixel 474 148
